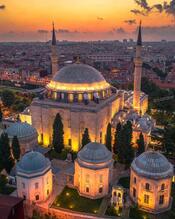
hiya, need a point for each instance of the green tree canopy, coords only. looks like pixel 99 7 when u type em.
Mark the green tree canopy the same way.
pixel 16 148
pixel 109 137
pixel 85 137
pixel 140 144
pixel 1 115
pixel 5 153
pixel 8 98
pixel 58 134
pixel 117 138
pixel 123 143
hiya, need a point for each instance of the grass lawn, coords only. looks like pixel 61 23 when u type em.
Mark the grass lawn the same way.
pixel 125 182
pixel 111 211
pixel 4 189
pixel 70 199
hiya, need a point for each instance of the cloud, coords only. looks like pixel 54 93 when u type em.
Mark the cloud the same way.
pixel 143 4
pixel 2 7
pixel 169 8
pixel 100 18
pixel 158 7
pixel 43 31
pixel 130 21
pixel 146 9
pixel 138 12
pixel 120 30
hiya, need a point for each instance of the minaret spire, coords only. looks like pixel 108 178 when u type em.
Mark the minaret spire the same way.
pixel 139 39
pixel 54 41
pixel 54 55
pixel 138 73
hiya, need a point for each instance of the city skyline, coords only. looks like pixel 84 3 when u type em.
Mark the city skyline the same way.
pixel 86 20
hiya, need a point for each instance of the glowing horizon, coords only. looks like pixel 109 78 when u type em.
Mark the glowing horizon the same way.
pixel 79 19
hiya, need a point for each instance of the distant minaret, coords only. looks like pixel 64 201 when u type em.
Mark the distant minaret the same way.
pixel 54 55
pixel 138 72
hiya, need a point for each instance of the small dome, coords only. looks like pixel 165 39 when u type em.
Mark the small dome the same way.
pixel 152 164
pixel 78 77
pixel 33 162
pixel 95 153
pixel 21 130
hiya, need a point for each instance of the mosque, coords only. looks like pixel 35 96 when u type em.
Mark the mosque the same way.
pixel 84 99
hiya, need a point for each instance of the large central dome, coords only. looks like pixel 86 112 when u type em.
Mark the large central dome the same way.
pixel 78 77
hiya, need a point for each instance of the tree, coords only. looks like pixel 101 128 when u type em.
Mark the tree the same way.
pixel 1 115
pixel 8 98
pixel 141 144
pixel 7 160
pixel 109 137
pixel 123 143
pixel 58 134
pixel 85 137
pixel 16 148
pixel 127 143
pixel 117 138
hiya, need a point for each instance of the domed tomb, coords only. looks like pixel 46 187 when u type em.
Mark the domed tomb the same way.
pixel 93 170
pixel 150 183
pixel 26 134
pixel 34 177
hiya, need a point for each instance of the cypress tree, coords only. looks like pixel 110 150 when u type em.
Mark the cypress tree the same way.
pixel 117 138
pixel 58 134
pixel 141 144
pixel 128 152
pixel 1 115
pixel 85 137
pixel 109 137
pixel 16 148
pixel 7 159
pixel 1 155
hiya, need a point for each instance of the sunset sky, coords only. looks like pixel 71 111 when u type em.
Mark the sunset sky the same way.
pixel 24 20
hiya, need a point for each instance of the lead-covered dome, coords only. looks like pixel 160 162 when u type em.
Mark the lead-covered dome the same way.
pixel 22 130
pixel 78 77
pixel 152 164
pixel 33 163
pixel 95 153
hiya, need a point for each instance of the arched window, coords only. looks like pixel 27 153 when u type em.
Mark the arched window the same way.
pixel 161 200
pixel 134 192
pixel 135 180
pixel 163 186
pixel 115 194
pixel 147 186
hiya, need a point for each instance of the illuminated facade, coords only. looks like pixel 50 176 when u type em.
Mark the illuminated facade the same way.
pixel 84 100
pixel 93 171
pixel 34 177
pixel 150 183
pixel 26 134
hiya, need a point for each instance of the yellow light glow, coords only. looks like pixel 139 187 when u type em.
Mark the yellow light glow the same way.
pixel 56 86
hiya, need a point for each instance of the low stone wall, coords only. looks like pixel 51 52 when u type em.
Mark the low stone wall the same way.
pixel 61 213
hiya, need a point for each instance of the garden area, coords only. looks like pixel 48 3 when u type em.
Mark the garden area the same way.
pixel 4 188
pixel 70 199
pixel 52 154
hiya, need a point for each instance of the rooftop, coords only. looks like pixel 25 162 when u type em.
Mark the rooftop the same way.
pixel 153 165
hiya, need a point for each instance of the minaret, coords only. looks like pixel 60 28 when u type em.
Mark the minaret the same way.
pixel 138 72
pixel 54 55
